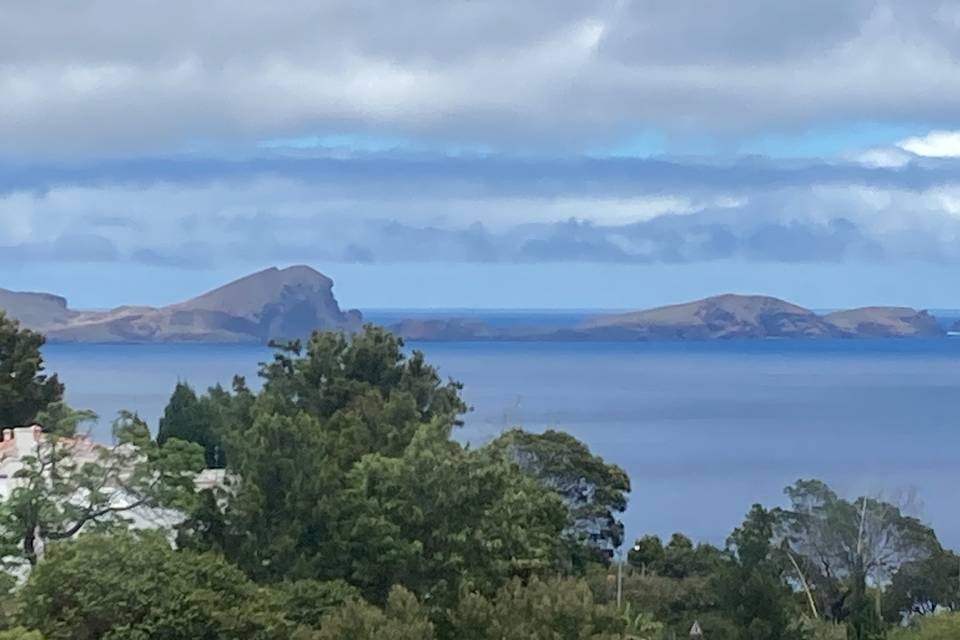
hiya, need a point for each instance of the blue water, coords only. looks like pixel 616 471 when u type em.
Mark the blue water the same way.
pixel 495 318
pixel 703 429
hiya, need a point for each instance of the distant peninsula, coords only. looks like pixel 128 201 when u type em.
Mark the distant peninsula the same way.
pixel 722 317
pixel 273 304
pixel 277 304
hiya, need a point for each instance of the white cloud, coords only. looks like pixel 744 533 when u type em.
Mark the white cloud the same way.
pixel 410 212
pixel 936 144
pixel 885 158
pixel 121 78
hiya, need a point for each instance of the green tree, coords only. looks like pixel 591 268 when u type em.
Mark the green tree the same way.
pixel 136 587
pixel 291 445
pixel 192 419
pixel 548 609
pixel 751 588
pixel 594 492
pixel 683 559
pixel 60 419
pixel 403 618
pixel 923 586
pixel 282 514
pixel 69 485
pixel 306 602
pixel 25 390
pixel 675 602
pixel 647 554
pixel 367 395
pixel 440 518
pixel 842 546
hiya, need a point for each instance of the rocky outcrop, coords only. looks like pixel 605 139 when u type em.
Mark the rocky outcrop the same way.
pixel 885 322
pixel 274 304
pixel 719 317
pixel 35 309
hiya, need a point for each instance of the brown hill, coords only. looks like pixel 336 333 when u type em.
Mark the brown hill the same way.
pixel 35 309
pixel 885 322
pixel 272 304
pixel 719 317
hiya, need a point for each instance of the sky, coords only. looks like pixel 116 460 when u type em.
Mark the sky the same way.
pixel 484 153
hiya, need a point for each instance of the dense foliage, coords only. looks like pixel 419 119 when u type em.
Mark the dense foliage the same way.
pixel 25 390
pixel 594 492
pixel 191 419
pixel 133 587
pixel 348 510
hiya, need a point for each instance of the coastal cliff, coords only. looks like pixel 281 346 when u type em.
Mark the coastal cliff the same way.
pixel 273 304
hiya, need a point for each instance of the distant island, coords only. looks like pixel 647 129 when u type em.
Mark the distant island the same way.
pixel 720 317
pixel 277 304
pixel 273 304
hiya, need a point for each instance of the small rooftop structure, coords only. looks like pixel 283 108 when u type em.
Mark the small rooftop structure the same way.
pixel 16 443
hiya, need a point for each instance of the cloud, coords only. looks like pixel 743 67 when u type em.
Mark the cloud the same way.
pixel 936 144
pixel 885 158
pixel 198 213
pixel 71 248
pixel 222 76
pixel 202 213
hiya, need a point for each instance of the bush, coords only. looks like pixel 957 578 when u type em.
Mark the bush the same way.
pixel 136 587
pixel 938 627
pixel 403 618
pixel 556 608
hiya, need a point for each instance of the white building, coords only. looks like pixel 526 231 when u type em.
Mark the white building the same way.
pixel 18 443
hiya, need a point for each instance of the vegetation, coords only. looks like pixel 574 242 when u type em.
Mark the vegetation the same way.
pixel 940 627
pixel 62 489
pixel 593 492
pixel 130 586
pixel 350 511
pixel 24 389
pixel 189 419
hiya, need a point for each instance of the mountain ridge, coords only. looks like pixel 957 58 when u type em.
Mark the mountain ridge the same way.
pixel 276 304
pixel 723 317
pixel 272 304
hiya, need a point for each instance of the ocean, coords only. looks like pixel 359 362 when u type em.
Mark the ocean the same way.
pixel 703 429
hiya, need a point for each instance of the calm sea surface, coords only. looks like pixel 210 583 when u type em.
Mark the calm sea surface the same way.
pixel 703 429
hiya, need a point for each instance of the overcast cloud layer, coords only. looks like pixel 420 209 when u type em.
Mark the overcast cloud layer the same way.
pixel 133 77
pixel 199 134
pixel 492 209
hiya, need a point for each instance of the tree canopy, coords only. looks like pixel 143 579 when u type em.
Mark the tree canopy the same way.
pixel 192 419
pixel 593 491
pixel 924 587
pixel 751 587
pixel 25 390
pixel 60 419
pixel 842 546
pixel 345 469
pixel 127 586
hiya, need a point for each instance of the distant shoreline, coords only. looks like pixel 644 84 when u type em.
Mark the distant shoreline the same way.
pixel 282 304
